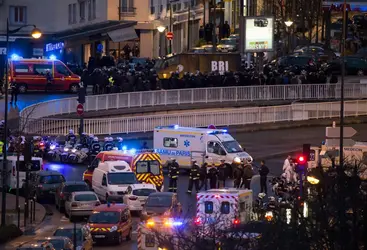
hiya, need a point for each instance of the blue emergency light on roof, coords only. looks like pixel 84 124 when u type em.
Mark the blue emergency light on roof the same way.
pixel 219 131
pixel 108 204
pixel 133 150
pixel 15 57
pixel 53 57
pixel 124 148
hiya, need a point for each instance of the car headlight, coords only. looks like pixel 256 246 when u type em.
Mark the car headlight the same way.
pixel 237 160
pixel 113 229
pixel 73 150
pixel 66 149
pixel 52 147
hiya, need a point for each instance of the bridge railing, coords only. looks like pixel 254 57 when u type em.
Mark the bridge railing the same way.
pixel 234 116
pixel 195 96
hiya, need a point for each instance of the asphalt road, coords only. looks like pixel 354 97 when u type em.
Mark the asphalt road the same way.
pixel 259 144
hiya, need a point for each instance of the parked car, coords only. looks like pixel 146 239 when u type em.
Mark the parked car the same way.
pixel 65 189
pixel 83 236
pixel 235 36
pixel 58 242
pixel 320 54
pixel 354 65
pixel 34 245
pixel 227 45
pixel 45 183
pixel 197 50
pixel 161 202
pixel 81 204
pixel 137 195
pixel 297 64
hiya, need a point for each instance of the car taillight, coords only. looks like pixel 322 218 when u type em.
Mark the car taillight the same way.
pixel 198 221
pixel 98 203
pixel 13 171
pixel 236 221
pixel 74 204
pixel 133 198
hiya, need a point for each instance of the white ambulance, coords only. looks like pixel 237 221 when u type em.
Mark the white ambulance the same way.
pixel 201 144
pixel 223 208
pixel 111 180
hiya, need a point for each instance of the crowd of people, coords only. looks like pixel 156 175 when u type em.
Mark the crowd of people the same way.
pixel 129 78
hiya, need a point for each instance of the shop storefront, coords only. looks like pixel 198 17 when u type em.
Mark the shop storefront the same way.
pixel 22 46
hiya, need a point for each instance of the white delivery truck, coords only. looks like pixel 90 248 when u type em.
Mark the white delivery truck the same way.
pixel 111 180
pixel 11 180
pixel 223 208
pixel 201 144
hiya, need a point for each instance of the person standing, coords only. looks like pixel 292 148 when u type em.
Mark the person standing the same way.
pixel 237 174
pixel 194 177
pixel 226 30
pixel 14 92
pixel 212 175
pixel 222 174
pixel 203 176
pixel 263 171
pixel 173 172
pixel 247 175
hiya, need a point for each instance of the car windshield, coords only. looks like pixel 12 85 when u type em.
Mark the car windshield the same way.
pixel 104 218
pixel 159 64
pixel 85 197
pixel 232 146
pixel 75 188
pixel 58 244
pixel 144 192
pixel 159 201
pixel 228 41
pixel 69 232
pixel 52 179
pixel 36 166
pixel 121 178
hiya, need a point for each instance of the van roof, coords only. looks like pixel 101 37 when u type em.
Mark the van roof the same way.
pixel 34 60
pixel 225 191
pixel 189 129
pixel 110 207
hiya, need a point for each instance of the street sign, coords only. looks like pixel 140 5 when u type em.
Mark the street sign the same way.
pixel 80 109
pixel 332 132
pixel 169 35
pixel 336 142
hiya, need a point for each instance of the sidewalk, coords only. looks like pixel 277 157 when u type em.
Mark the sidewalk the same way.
pixel 12 216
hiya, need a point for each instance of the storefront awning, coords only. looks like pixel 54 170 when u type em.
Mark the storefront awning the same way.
pixel 123 34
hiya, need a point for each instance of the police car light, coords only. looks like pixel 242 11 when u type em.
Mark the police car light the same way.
pixel 53 57
pixel 197 221
pixel 66 149
pixel 150 223
pixel 73 150
pixel 115 148
pixel 124 148
pixel 133 150
pixel 236 222
pixel 15 57
pixel 52 147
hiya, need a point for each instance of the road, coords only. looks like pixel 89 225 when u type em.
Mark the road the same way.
pixel 25 100
pixel 258 144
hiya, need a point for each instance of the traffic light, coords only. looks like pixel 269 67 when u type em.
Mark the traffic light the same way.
pixel 301 163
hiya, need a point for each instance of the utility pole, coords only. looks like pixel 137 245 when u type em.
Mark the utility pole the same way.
pixel 188 26
pixel 170 26
pixel 119 48
pixel 214 41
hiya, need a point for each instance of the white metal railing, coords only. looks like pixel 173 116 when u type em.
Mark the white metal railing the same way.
pixel 235 116
pixel 196 96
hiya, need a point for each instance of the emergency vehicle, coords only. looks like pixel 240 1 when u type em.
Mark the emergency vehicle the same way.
pixel 223 208
pixel 153 232
pixel 201 144
pixel 111 223
pixel 147 166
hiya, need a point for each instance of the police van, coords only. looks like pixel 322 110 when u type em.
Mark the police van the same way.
pixel 201 144
pixel 11 170
pixel 223 208
pixel 111 180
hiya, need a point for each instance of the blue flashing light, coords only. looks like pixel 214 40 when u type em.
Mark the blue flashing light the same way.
pixel 15 57
pixel 175 126
pixel 177 223
pixel 224 130
pixel 53 57
pixel 124 148
pixel 210 132
pixel 133 150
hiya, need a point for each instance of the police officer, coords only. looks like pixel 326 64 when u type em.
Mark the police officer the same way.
pixel 212 175
pixel 14 93
pixel 194 177
pixel 1 147
pixel 203 176
pixel 173 172
pixel 247 174
pixel 237 174
pixel 49 80
pixel 95 146
pixel 222 174
pixel 71 137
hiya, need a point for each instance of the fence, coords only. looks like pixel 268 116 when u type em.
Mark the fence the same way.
pixel 196 96
pixel 234 116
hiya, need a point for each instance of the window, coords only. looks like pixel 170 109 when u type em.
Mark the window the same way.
pixel 142 167
pixel 104 180
pixel 174 8
pixel 144 192
pixel 85 197
pixel 18 15
pixel 186 5
pixel 170 142
pixel 152 167
pixel 74 13
pixel 40 69
pixel 127 6
pixel 225 207
pixel 21 68
pixel 121 178
pixel 95 163
pixel 70 13
pixel 94 9
pixel 209 207
pixel 215 148
pixel 52 179
pixel 105 217
pixel 61 69
pixel 82 11
pixel 36 166
pixel 89 10
pixel 178 8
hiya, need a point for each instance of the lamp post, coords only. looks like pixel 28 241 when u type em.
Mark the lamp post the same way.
pixel 161 29
pixel 36 33
pixel 288 24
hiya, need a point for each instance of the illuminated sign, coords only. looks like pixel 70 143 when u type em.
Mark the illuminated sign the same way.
pixel 259 34
pixel 54 46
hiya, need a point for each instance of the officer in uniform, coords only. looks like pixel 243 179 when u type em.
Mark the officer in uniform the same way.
pixel 194 177
pixel 212 175
pixel 1 147
pixel 222 174
pixel 173 172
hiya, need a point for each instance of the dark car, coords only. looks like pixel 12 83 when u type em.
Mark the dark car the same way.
pixel 320 54
pixel 65 189
pixel 45 183
pixel 354 65
pixel 58 242
pixel 83 236
pixel 297 64
pixel 261 22
pixel 34 245
pixel 160 203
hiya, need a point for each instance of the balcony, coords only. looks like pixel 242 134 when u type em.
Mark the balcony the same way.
pixel 127 11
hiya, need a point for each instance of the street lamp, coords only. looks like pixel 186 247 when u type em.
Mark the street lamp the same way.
pixel 289 24
pixel 36 33
pixel 161 29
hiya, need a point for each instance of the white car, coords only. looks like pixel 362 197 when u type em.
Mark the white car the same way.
pixel 137 195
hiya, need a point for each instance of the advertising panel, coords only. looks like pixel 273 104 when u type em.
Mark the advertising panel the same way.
pixel 259 34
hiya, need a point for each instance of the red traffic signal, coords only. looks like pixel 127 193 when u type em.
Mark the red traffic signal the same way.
pixel 301 160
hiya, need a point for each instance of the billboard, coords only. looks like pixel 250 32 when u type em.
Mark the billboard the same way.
pixel 259 34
